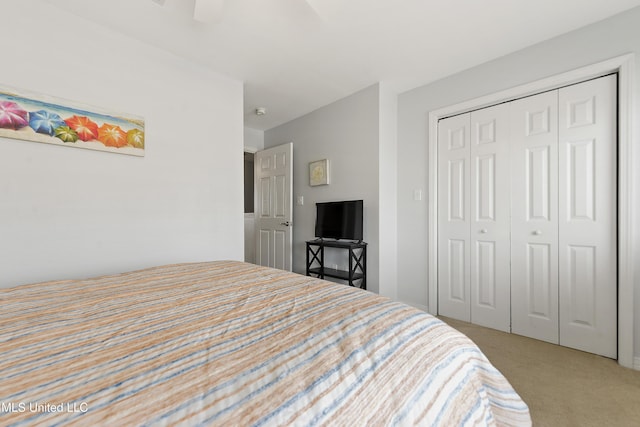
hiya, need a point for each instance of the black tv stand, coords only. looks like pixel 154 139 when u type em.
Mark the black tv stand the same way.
pixel 357 251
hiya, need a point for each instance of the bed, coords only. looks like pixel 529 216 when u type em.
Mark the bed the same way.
pixel 235 344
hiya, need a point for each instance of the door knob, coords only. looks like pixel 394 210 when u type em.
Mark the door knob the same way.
pixel 537 233
pixel 286 224
pixel 483 231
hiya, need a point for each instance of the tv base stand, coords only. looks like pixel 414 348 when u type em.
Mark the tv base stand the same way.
pixel 356 275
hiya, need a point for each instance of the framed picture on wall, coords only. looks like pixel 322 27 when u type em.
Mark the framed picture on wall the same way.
pixel 319 172
pixel 42 118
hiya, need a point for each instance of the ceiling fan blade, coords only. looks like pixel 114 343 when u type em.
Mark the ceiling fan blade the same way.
pixel 208 10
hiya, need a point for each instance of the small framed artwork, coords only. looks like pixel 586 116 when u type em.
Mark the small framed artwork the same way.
pixel 319 172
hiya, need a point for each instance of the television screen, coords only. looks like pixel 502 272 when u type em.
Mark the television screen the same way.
pixel 339 220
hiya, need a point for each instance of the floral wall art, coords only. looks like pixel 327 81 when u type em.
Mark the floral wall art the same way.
pixel 319 172
pixel 45 119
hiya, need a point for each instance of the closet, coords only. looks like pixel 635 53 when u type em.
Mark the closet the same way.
pixel 527 216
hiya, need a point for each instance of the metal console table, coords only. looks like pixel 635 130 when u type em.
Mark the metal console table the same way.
pixel 357 273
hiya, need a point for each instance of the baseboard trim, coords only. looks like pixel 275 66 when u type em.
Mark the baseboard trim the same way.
pixel 636 363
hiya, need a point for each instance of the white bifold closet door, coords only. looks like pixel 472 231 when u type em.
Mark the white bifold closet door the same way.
pixel 527 216
pixel 534 216
pixel 563 272
pixel 474 217
pixel 588 216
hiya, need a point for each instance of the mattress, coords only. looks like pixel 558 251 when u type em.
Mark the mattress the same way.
pixel 230 343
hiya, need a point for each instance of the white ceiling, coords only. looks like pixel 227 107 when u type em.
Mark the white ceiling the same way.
pixel 294 58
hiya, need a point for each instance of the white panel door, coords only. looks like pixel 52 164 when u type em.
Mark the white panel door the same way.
pixel 490 218
pixel 587 216
pixel 534 216
pixel 274 209
pixel 454 218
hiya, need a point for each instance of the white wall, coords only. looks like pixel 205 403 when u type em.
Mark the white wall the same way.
pixel 388 191
pixel 68 212
pixel 253 139
pixel 347 133
pixel 613 37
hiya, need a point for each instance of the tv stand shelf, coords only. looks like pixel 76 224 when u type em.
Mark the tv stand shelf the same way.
pixel 357 252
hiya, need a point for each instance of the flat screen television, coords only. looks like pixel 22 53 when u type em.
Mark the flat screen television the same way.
pixel 339 220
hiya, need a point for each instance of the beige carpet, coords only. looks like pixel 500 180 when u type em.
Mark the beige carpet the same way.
pixel 562 386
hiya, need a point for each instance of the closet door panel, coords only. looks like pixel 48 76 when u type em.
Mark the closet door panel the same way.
pixel 454 218
pixel 587 216
pixel 534 216
pixel 489 231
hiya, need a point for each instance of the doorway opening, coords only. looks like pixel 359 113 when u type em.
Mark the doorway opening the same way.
pixel 249 208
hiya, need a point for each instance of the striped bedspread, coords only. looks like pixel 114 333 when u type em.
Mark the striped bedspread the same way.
pixel 234 344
